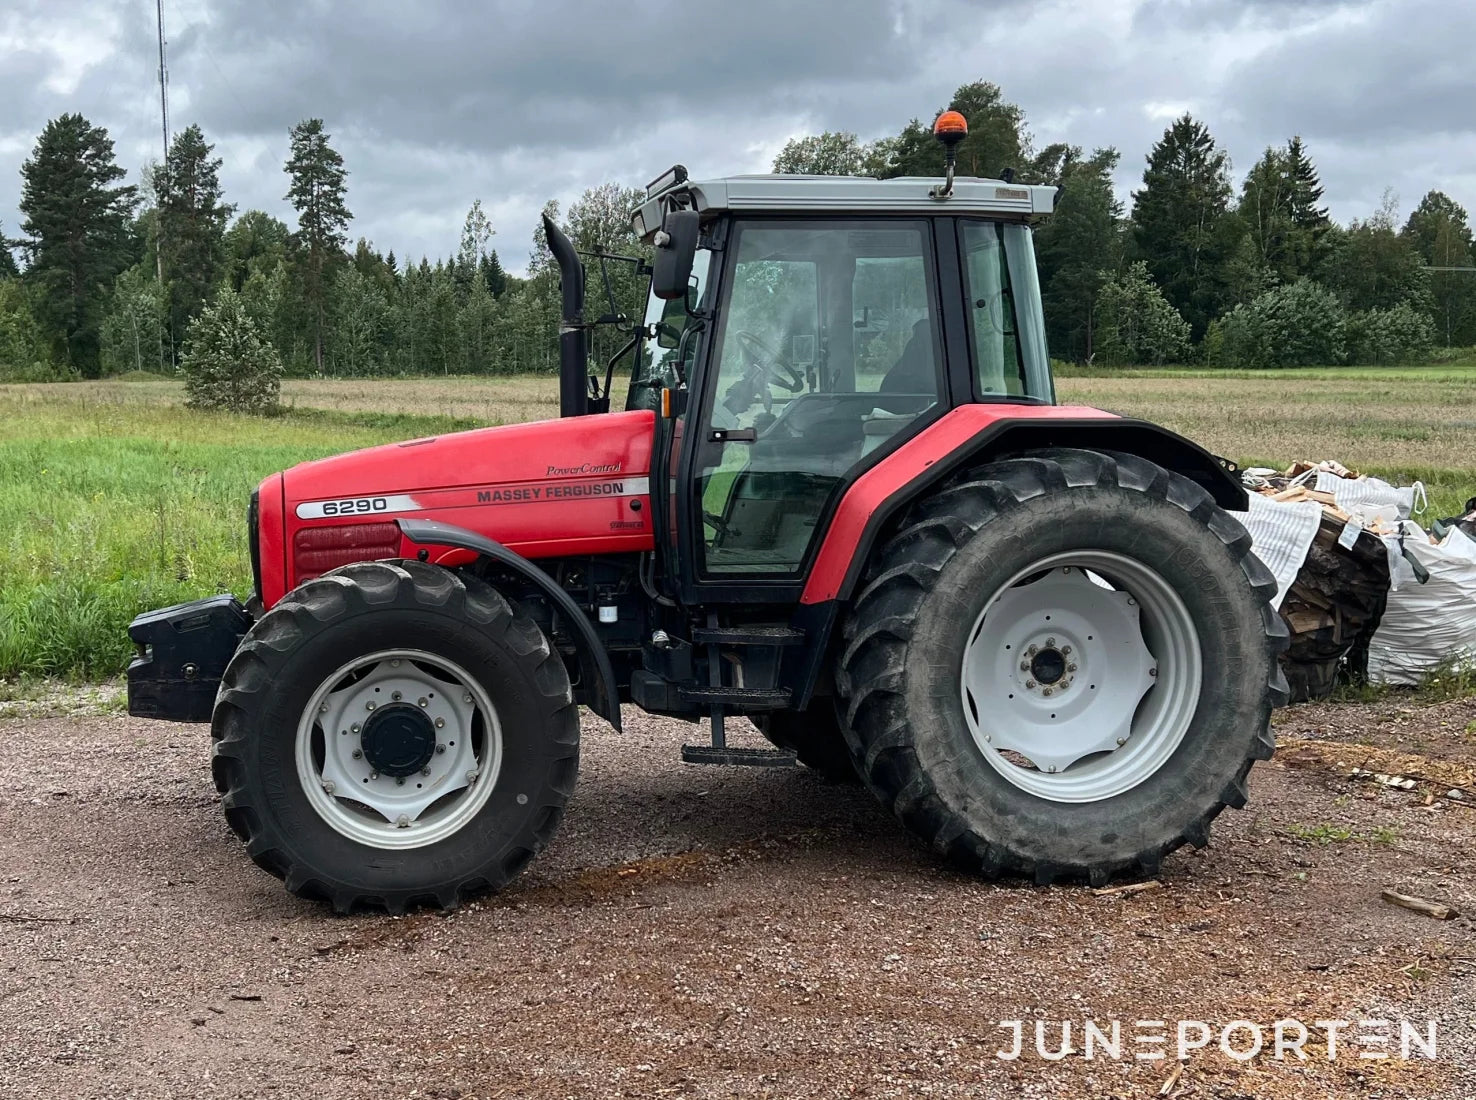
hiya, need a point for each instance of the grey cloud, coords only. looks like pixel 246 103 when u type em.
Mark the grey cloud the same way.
pixel 515 102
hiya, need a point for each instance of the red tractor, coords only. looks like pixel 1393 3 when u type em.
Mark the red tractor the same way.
pixel 841 501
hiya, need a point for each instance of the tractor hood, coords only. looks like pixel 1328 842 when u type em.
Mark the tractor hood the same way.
pixel 578 485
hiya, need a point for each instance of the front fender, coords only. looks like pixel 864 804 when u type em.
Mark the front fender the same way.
pixel 594 662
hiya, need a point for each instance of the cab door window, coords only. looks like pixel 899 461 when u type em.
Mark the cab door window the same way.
pixel 827 348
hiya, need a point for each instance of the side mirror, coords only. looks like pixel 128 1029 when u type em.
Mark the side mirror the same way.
pixel 676 248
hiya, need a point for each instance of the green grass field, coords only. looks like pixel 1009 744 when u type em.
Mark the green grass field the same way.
pixel 115 499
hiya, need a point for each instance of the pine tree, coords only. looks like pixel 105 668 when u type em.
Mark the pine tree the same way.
pixel 1179 220
pixel 79 233
pixel 1440 232
pixel 317 193
pixel 191 224
pixel 493 274
pixel 8 270
pixel 227 365
pixel 1077 250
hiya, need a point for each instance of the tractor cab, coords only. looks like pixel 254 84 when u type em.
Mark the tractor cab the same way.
pixel 812 327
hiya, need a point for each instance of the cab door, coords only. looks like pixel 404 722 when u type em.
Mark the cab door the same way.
pixel 825 352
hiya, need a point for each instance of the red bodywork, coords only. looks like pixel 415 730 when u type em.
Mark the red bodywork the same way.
pixel 904 466
pixel 550 489
pixel 546 489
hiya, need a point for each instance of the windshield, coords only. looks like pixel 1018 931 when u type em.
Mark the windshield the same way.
pixel 665 321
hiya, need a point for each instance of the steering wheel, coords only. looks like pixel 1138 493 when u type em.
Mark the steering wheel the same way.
pixel 776 371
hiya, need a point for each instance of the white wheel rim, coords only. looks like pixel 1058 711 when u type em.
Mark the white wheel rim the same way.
pixel 338 742
pixel 1107 692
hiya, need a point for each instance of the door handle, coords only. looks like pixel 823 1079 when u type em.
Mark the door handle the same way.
pixel 732 435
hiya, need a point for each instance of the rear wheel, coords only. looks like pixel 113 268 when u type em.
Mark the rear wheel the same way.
pixel 394 734
pixel 1063 665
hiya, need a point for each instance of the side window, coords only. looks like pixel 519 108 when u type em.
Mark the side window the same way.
pixel 993 328
pixel 827 348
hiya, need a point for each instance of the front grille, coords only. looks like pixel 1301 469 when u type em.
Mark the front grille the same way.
pixel 316 550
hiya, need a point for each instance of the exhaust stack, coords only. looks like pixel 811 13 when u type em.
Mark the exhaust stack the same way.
pixel 573 336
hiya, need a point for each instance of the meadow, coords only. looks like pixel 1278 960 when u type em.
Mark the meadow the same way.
pixel 114 498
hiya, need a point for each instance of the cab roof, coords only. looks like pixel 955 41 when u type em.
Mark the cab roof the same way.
pixel 844 195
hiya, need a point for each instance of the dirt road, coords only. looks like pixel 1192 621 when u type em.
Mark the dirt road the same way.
pixel 714 932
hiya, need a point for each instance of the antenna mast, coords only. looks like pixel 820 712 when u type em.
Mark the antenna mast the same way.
pixel 163 80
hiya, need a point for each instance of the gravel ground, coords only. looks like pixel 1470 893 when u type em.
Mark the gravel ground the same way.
pixel 714 932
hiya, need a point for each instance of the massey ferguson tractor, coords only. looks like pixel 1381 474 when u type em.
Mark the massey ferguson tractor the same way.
pixel 841 501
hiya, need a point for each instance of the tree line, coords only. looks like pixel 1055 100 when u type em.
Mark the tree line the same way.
pixel 1196 269
pixel 116 276
pixel 121 277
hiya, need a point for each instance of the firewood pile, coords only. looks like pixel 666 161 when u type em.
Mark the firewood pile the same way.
pixel 1338 597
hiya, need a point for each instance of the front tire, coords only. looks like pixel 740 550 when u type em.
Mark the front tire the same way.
pixel 1063 665
pixel 394 734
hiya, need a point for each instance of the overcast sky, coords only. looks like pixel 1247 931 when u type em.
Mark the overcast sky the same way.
pixel 439 102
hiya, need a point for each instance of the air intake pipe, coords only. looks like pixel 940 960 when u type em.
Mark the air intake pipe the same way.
pixel 573 336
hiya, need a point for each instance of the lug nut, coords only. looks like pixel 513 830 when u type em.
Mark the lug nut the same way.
pixel 358 753
pixel 1024 666
pixel 1029 684
pixel 369 705
pixel 1051 642
pixel 373 775
pixel 396 696
pixel 354 728
pixel 1048 691
pixel 399 781
pixel 1070 668
pixel 440 749
pixel 423 701
pixel 1033 650
pixel 440 723
pixel 425 771
pixel 1066 651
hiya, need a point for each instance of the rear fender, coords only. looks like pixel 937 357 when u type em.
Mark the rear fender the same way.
pixel 594 662
pixel 971 436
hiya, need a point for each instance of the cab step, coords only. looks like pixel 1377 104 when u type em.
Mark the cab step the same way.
pixel 745 699
pixel 747 635
pixel 753 758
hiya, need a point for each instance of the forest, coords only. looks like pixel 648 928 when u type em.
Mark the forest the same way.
pixel 108 277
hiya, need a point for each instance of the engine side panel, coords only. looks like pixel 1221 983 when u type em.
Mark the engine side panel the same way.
pixel 573 486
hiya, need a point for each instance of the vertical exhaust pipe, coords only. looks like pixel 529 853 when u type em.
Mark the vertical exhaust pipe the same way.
pixel 573 336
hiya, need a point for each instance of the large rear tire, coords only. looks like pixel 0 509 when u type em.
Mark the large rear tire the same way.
pixel 1063 665
pixel 394 734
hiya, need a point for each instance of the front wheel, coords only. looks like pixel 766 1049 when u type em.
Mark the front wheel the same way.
pixel 394 734
pixel 1063 665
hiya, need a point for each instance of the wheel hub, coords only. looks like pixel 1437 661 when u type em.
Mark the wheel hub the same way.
pixel 398 740
pixel 1048 666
